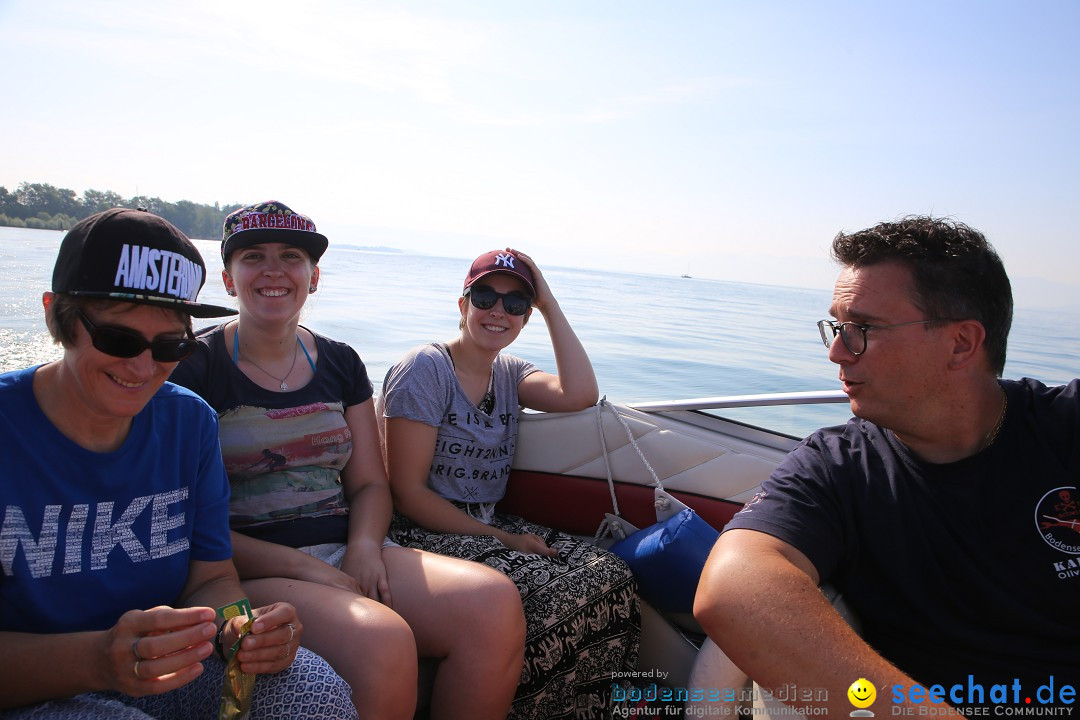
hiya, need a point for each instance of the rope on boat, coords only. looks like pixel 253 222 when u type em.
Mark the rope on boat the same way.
pixel 605 526
pixel 608 525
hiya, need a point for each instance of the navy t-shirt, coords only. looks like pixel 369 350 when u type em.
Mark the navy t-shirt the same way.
pixel 966 568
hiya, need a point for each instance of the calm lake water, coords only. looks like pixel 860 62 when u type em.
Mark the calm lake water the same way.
pixel 650 337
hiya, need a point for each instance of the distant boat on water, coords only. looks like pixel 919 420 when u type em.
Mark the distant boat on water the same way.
pixel 687 273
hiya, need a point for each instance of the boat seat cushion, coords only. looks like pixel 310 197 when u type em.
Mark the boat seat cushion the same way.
pixel 667 558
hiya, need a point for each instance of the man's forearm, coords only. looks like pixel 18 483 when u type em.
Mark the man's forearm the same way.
pixel 769 617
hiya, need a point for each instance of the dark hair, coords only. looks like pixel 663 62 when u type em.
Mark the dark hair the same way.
pixel 62 316
pixel 956 273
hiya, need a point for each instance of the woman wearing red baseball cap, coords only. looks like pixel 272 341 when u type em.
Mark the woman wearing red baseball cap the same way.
pixel 450 414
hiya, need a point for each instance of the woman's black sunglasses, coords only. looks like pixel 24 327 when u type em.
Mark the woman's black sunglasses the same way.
pixel 483 297
pixel 124 343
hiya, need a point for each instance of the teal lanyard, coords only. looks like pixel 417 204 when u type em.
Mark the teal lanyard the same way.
pixel 236 350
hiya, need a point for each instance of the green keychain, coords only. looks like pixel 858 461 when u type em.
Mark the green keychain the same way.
pixel 237 690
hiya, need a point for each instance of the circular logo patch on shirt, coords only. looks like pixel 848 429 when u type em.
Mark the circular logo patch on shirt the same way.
pixel 1057 518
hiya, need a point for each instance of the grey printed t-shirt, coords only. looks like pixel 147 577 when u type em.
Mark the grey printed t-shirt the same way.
pixel 474 449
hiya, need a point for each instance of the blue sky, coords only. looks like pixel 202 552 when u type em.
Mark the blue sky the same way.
pixel 730 140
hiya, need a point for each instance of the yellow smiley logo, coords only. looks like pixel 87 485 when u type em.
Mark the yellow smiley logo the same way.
pixel 862 693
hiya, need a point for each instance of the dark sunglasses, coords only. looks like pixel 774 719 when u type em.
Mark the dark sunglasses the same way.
pixel 124 343
pixel 483 297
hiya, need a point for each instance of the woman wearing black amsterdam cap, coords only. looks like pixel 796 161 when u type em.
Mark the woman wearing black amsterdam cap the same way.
pixel 310 504
pixel 114 538
pixel 451 412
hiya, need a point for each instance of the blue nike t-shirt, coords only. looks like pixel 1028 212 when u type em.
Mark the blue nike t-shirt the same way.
pixel 87 536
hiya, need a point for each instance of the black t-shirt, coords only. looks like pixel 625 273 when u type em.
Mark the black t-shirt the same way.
pixel 968 568
pixel 283 451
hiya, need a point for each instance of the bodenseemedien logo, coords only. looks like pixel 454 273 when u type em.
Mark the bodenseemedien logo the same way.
pixel 862 694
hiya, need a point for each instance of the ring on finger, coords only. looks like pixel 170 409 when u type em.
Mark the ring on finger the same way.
pixel 135 670
pixel 135 648
pixel 292 632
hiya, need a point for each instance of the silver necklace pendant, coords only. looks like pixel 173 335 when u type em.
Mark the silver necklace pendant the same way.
pixel 284 386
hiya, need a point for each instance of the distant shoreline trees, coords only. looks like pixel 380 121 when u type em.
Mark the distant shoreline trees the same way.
pixel 44 207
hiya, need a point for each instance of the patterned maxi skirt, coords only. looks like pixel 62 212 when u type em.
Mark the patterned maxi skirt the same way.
pixel 308 690
pixel 581 614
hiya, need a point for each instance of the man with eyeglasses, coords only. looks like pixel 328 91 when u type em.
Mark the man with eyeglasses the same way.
pixel 942 511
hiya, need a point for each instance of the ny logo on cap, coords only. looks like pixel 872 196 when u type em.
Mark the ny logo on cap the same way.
pixel 505 259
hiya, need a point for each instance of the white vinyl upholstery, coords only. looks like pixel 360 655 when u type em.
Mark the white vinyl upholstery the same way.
pixel 685 457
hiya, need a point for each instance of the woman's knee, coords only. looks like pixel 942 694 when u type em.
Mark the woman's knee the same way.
pixel 501 612
pixel 384 633
pixel 363 639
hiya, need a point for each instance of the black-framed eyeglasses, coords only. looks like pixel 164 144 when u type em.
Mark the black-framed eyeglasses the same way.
pixel 854 334
pixel 484 297
pixel 124 343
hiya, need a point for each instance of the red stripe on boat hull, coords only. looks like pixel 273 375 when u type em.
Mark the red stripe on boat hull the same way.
pixel 576 505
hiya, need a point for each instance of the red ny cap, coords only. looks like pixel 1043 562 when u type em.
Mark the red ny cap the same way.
pixel 500 261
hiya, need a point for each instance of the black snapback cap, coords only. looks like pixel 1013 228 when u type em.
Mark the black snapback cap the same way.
pixel 133 256
pixel 271 221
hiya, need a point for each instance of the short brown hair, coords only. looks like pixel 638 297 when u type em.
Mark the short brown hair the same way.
pixel 957 274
